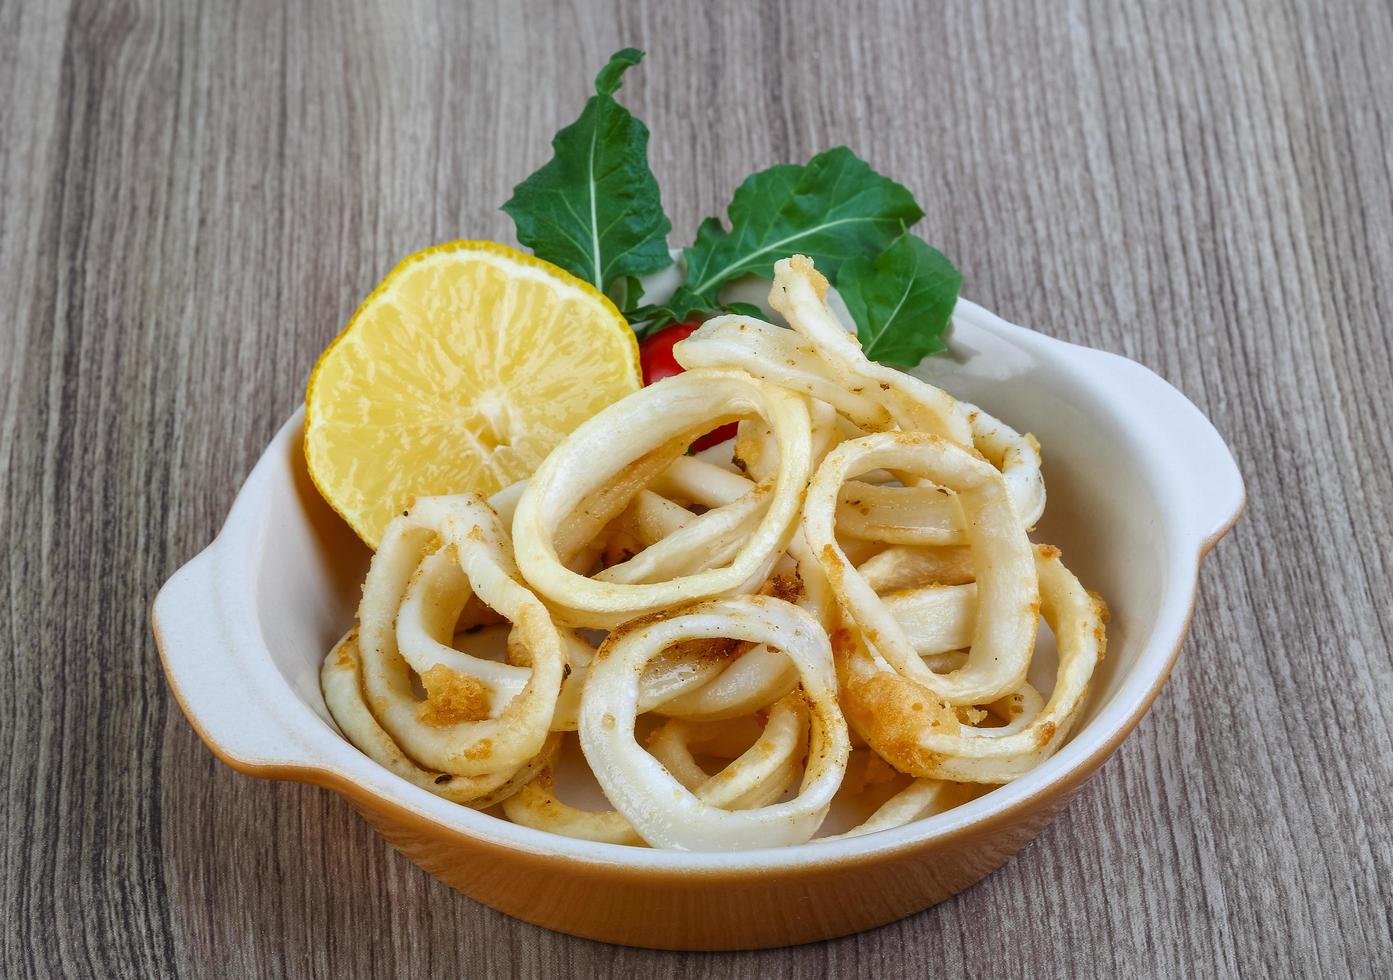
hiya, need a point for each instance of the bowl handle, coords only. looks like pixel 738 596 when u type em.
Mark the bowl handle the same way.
pixel 236 716
pixel 1207 475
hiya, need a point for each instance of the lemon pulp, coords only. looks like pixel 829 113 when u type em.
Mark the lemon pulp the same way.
pixel 460 372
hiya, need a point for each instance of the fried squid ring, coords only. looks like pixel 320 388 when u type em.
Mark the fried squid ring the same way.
pixel 340 679
pixel 706 541
pixel 1016 455
pixel 780 357
pixel 595 453
pixel 921 798
pixel 760 675
pixel 1007 591
pixel 577 537
pixel 936 618
pixel 696 481
pixel 648 519
pixel 799 295
pixel 900 720
pixel 833 370
pixel 758 775
pixel 730 506
pixel 905 567
pixel 536 805
pixel 663 811
pixel 752 680
pixel 756 449
pixel 671 676
pixel 442 550
pixel 928 515
pixel 1017 711
pixel 426 623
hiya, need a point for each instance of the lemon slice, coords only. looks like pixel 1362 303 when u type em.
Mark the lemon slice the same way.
pixel 460 372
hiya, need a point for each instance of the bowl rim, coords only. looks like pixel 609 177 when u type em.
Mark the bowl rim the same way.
pixel 340 766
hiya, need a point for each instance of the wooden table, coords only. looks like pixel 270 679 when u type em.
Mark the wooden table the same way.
pixel 194 197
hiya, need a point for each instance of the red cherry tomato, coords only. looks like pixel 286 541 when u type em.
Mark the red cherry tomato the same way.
pixel 655 357
pixel 655 351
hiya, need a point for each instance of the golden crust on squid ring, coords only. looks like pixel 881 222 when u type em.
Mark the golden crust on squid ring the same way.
pixel 906 724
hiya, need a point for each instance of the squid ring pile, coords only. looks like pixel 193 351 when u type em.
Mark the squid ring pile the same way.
pixel 825 627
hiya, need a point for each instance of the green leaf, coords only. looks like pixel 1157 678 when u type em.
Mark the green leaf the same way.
pixel 651 318
pixel 833 209
pixel 594 209
pixel 681 306
pixel 625 292
pixel 901 300
pixel 611 76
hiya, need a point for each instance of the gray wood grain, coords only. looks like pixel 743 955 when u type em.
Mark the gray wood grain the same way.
pixel 193 197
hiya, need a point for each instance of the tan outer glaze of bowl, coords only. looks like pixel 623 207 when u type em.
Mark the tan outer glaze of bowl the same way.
pixel 241 629
pixel 714 911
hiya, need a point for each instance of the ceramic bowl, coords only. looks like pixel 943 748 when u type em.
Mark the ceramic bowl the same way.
pixel 1140 487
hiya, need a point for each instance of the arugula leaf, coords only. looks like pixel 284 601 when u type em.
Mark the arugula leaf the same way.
pixel 594 209
pixel 901 300
pixel 625 291
pixel 682 305
pixel 833 209
pixel 681 308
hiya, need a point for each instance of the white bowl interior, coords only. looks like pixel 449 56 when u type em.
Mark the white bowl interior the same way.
pixel 1101 511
